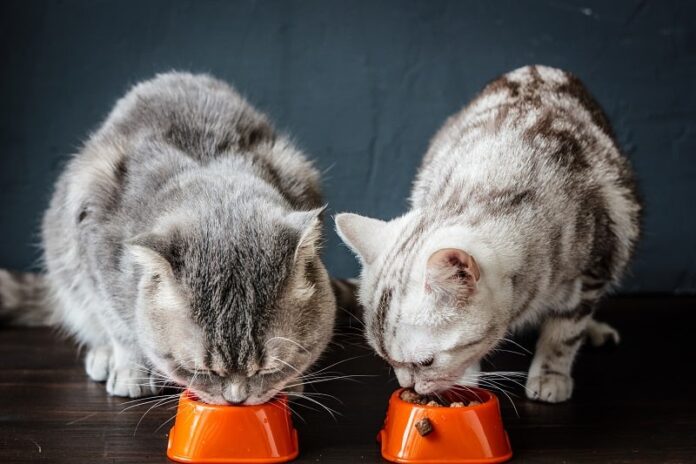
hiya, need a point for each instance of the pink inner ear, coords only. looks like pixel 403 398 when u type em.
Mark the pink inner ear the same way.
pixel 456 258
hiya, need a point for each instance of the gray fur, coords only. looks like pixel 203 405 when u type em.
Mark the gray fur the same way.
pixel 527 180
pixel 184 238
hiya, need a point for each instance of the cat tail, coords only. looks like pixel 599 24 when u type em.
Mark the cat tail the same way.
pixel 24 299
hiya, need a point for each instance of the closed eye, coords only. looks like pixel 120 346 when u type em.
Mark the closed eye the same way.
pixel 273 366
pixel 471 344
pixel 269 371
pixel 197 375
pixel 277 365
pixel 463 346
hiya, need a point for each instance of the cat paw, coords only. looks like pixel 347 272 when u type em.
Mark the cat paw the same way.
pixel 131 382
pixel 98 363
pixel 550 387
pixel 599 333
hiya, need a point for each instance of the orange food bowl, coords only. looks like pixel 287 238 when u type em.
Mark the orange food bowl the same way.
pixel 206 433
pixel 471 434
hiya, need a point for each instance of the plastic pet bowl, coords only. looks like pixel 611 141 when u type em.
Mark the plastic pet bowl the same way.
pixel 471 434
pixel 206 433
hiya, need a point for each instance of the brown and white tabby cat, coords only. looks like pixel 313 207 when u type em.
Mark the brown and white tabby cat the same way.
pixel 524 212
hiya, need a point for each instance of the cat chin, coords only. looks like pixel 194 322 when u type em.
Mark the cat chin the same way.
pixel 210 399
pixel 432 386
pixel 446 381
pixel 220 400
pixel 435 384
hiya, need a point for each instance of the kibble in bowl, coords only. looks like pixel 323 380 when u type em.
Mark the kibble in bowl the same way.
pixel 451 399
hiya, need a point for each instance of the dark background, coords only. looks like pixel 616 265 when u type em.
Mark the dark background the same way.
pixel 362 86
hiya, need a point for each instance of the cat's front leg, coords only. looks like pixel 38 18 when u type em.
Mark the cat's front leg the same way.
pixel 561 335
pixel 98 362
pixel 129 375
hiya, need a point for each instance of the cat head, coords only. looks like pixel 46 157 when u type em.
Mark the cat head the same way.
pixel 432 304
pixel 234 307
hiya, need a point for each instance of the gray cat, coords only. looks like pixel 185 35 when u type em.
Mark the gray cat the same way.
pixel 524 212
pixel 184 239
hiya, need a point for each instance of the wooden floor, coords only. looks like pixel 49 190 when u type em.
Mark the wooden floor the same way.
pixel 634 403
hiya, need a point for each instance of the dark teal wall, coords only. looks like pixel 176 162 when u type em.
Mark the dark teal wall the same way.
pixel 362 86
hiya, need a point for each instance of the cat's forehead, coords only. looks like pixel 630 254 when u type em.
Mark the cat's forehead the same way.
pixel 240 252
pixel 397 269
pixel 234 289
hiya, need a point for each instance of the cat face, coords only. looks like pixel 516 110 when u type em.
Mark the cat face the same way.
pixel 429 308
pixel 235 324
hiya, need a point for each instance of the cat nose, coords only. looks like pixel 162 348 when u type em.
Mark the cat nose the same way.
pixel 235 393
pixel 424 387
pixel 235 403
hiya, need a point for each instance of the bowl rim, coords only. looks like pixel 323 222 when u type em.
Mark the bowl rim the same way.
pixel 278 400
pixel 490 398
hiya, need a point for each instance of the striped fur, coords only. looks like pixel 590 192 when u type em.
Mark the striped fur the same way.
pixel 527 179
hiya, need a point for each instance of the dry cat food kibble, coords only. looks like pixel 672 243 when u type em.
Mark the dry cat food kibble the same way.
pixel 424 426
pixel 412 397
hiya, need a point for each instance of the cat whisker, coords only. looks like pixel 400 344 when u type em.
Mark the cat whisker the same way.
pixel 506 376
pixel 517 373
pixel 320 374
pixel 148 400
pixel 146 369
pixel 165 423
pixel 329 168
pixel 335 343
pixel 468 389
pixel 287 364
pixel 519 384
pixel 331 412
pixel 162 402
pixel 299 345
pixel 439 398
pixel 495 386
pixel 509 340
pixel 290 407
pixel 330 379
pixel 343 343
pixel 352 316
pixel 503 350
pixel 308 379
pixel 323 395
pixel 339 362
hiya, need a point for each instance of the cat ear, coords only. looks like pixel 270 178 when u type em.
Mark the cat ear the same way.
pixel 153 250
pixel 452 274
pixel 365 236
pixel 308 223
